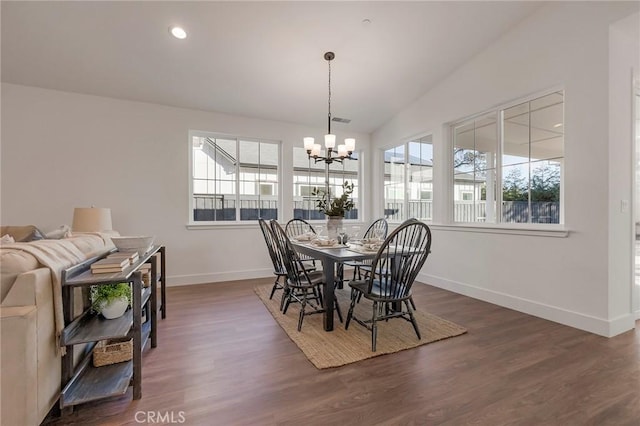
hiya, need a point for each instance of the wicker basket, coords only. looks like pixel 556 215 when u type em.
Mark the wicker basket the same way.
pixel 146 274
pixel 107 353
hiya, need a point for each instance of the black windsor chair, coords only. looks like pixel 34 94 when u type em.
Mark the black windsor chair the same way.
pixel 297 227
pixel 379 227
pixel 393 272
pixel 302 286
pixel 278 264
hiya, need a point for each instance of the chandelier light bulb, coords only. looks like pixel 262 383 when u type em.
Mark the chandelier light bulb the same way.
pixel 330 141
pixel 350 143
pixel 308 143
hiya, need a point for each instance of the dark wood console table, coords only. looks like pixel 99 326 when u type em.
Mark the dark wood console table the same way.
pixel 82 382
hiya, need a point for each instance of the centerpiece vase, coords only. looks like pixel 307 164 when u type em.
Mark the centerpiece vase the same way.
pixel 333 224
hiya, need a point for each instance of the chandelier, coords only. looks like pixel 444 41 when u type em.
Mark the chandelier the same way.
pixel 343 151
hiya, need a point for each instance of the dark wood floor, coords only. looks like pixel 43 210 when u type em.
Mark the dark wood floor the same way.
pixel 223 360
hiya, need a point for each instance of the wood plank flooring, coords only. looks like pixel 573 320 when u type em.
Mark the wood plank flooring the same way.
pixel 223 360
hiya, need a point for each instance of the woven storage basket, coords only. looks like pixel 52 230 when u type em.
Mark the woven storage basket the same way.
pixel 106 353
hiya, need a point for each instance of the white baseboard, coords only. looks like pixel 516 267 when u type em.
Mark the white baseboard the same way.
pixel 180 280
pixel 600 326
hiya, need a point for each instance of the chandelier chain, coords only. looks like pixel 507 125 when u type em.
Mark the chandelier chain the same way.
pixel 329 116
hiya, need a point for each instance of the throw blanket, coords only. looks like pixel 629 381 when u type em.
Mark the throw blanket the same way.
pixel 55 255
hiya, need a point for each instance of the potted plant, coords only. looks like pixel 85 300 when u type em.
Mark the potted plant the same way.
pixel 111 300
pixel 334 208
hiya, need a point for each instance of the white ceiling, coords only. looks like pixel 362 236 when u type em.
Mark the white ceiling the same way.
pixel 253 59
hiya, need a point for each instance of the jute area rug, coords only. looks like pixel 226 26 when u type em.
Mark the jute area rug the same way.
pixel 340 346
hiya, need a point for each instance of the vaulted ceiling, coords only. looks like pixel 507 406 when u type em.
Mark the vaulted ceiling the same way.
pixel 253 59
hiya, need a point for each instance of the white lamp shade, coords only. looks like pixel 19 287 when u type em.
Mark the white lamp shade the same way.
pixel 329 141
pixel 315 151
pixel 342 150
pixel 308 143
pixel 350 144
pixel 91 219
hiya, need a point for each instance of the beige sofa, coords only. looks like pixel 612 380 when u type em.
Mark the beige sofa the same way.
pixel 30 359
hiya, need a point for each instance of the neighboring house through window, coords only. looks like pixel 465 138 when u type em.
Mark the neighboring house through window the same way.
pixel 233 178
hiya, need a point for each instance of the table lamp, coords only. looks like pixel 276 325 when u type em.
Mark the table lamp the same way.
pixel 91 219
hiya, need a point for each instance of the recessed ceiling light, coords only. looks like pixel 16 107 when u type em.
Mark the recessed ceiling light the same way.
pixel 366 21
pixel 178 32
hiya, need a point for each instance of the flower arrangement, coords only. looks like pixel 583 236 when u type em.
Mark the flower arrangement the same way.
pixel 334 207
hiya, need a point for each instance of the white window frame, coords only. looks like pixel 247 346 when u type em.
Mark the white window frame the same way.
pixel 554 229
pixel 191 223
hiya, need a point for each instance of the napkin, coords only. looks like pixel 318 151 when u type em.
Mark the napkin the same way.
pixel 307 236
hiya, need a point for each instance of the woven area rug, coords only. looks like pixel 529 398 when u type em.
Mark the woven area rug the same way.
pixel 340 346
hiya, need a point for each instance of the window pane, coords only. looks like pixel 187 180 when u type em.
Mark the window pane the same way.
pixel 533 153
pixel 258 180
pixel 420 178
pixel 394 164
pixel 474 161
pixel 222 167
pixel 545 191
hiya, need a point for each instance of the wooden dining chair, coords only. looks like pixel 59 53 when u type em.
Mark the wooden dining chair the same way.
pixel 278 264
pixel 295 228
pixel 303 286
pixel 393 272
pixel 379 227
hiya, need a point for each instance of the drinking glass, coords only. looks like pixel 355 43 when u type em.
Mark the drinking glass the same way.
pixel 342 235
pixel 318 230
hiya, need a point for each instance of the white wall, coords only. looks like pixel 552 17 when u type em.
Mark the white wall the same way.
pixel 567 280
pixel 64 150
pixel 624 63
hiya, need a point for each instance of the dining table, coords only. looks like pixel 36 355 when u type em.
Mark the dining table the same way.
pixel 330 256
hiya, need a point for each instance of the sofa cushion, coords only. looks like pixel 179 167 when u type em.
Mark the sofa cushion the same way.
pixel 12 264
pixel 22 234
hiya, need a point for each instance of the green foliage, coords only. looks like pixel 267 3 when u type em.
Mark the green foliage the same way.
pixel 545 185
pixel 514 187
pixel 339 205
pixel 106 293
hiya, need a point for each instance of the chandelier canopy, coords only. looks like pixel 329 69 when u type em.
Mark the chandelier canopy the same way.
pixel 332 154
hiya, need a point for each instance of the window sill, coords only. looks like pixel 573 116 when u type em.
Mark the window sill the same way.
pixel 254 224
pixel 223 225
pixel 556 231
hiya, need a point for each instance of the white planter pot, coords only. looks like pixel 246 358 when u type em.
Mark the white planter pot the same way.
pixel 333 223
pixel 114 309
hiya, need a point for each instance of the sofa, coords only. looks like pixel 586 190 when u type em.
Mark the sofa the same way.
pixel 30 355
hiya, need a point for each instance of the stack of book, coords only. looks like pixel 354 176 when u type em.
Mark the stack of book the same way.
pixel 116 262
pixel 131 255
pixel 109 266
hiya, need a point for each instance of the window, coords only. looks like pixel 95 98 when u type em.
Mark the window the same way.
pixel 308 175
pixel 519 148
pixel 233 179
pixel 408 180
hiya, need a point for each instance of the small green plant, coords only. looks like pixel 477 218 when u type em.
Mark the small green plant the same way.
pixel 339 205
pixel 106 293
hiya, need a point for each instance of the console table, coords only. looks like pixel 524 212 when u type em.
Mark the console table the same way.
pixel 81 381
